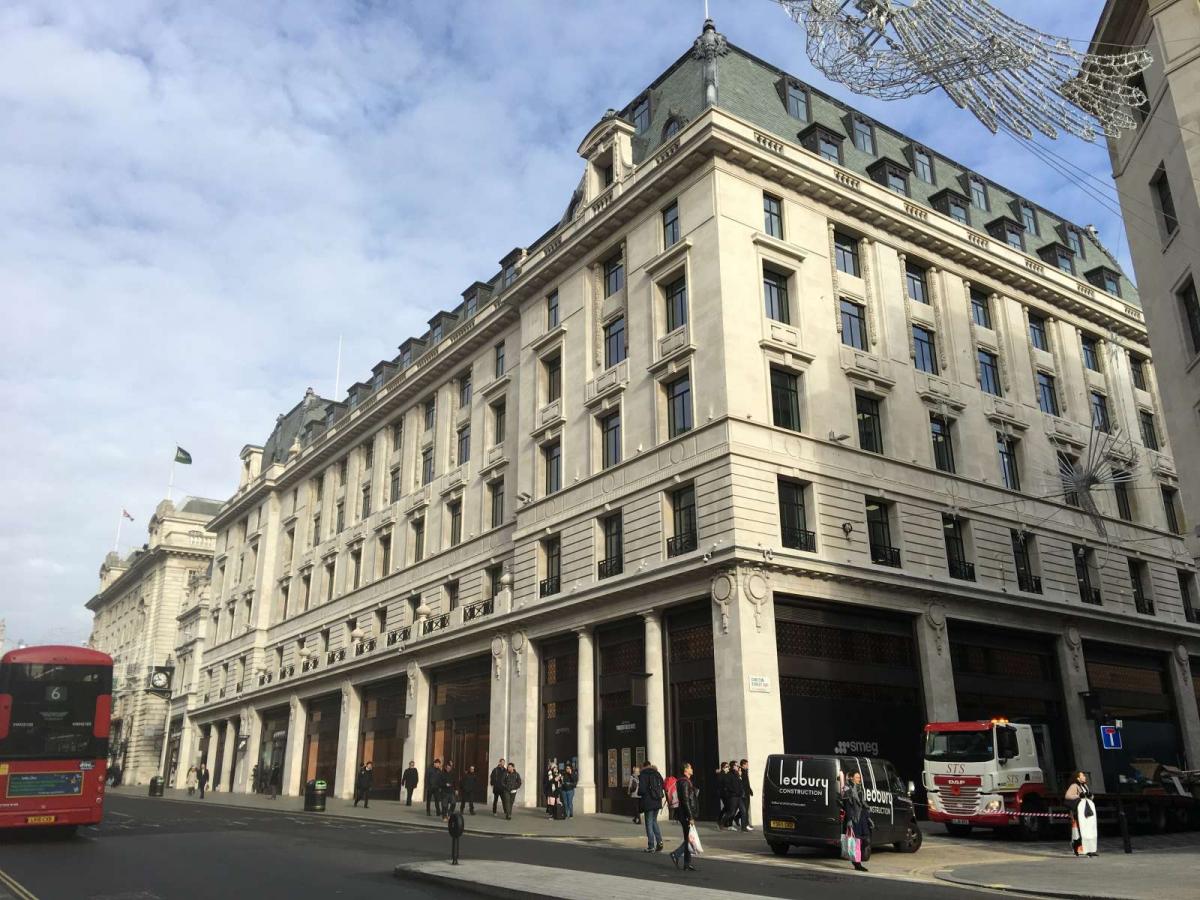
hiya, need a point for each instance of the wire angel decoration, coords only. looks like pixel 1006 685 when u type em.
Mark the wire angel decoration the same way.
pixel 1075 481
pixel 1007 74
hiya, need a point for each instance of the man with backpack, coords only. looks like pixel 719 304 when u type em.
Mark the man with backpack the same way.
pixel 652 794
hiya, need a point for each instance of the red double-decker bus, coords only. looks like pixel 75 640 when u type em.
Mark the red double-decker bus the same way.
pixel 55 705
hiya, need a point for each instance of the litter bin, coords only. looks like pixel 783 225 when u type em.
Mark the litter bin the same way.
pixel 314 796
pixel 156 786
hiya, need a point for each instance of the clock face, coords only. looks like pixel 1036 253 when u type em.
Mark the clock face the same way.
pixel 159 680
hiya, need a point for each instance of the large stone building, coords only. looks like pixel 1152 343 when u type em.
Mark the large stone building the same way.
pixel 1155 167
pixel 134 621
pixel 756 449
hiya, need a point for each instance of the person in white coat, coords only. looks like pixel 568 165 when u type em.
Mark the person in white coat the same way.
pixel 1083 816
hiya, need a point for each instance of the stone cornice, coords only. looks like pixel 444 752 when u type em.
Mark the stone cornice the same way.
pixel 138 567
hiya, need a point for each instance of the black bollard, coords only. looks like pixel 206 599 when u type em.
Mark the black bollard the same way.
pixel 1124 823
pixel 456 827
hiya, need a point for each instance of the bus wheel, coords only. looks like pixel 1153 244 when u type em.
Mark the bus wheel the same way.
pixel 913 837
pixel 958 830
pixel 778 848
pixel 65 832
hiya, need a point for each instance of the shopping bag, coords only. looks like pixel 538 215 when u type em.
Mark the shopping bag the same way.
pixel 854 849
pixel 694 840
pixel 845 845
pixel 550 801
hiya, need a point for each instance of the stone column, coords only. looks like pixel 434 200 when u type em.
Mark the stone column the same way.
pixel 417 708
pixel 1184 691
pixel 585 729
pixel 1073 671
pixel 656 702
pixel 746 663
pixel 501 685
pixel 210 759
pixel 524 716
pixel 187 758
pixel 252 726
pixel 227 753
pixel 293 755
pixel 348 727
pixel 937 671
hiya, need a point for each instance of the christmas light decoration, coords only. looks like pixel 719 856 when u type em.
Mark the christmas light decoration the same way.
pixel 1007 74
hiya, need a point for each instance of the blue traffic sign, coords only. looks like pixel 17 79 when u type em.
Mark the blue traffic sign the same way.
pixel 1110 737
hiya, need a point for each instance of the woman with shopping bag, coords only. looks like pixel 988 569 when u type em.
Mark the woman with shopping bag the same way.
pixel 856 835
pixel 689 805
pixel 1083 816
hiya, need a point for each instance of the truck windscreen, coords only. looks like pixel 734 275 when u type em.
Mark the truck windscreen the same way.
pixel 960 746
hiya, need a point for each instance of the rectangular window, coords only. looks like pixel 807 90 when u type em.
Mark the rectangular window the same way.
pixel 1010 471
pixel 607 176
pixel 1047 396
pixel 675 296
pixel 385 554
pixel 552 465
pixel 464 390
pixel 470 306
pixel 679 406
pixel 1137 370
pixel 923 165
pixel 1121 481
pixel 494 574
pixel 551 566
pixel 958 209
pixel 1022 546
pixel 864 136
pixel 366 501
pixel 845 254
pixel 418 532
pixel 1037 332
pixel 343 466
pixel 1164 203
pixel 355 569
pixel 879 533
pixel 773 216
pixel 1188 595
pixel 451 595
pixel 1065 260
pixel 854 324
pixel 552 310
pixel 496 495
pixel 896 180
pixel 925 350
pixel 614 342
pixel 510 272
pixel 1111 282
pixel 641 115
pixel 455 510
pixel 797 102
pixel 1170 498
pixel 829 147
pixel 499 415
pixel 464 444
pixel 613 560
pixel 553 367
pixel 1029 219
pixel 979 197
pixel 1091 353
pixel 329 573
pixel 956 551
pixel 1148 429
pixel 1083 575
pixel 1099 404
pixel 1191 312
pixel 398 434
pixel 610 439
pixel 785 399
pixel 614 275
pixel 1075 242
pixel 793 520
pixel 981 308
pixel 683 521
pixel 1142 601
pixel 1013 235
pixel 1067 466
pixel 369 455
pixel 498 357
pixel 427 465
pixel 989 373
pixel 670 225
pixel 775 295
pixel 339 518
pixel 943 444
pixel 870 424
pixel 315 534
pixel 430 412
pixel 915 280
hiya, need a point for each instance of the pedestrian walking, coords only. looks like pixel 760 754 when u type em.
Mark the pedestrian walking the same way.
pixel 550 787
pixel 433 787
pixel 631 789
pixel 190 781
pixel 653 795
pixel 569 781
pixel 510 785
pixel 255 778
pixel 496 780
pixel 723 796
pixel 448 778
pixel 470 784
pixel 202 779
pixel 689 807
pixel 410 780
pixel 362 784
pixel 1083 816
pixel 276 779
pixel 747 793
pixel 857 818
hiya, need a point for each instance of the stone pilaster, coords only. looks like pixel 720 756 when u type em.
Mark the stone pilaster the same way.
pixel 227 754
pixel 1184 691
pixel 252 727
pixel 937 671
pixel 656 701
pixel 210 759
pixel 348 728
pixel 1073 671
pixel 417 708
pixel 187 751
pixel 293 756
pixel 500 681
pixel 585 729
pixel 524 716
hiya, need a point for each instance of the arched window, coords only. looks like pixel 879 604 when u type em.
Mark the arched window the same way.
pixel 671 128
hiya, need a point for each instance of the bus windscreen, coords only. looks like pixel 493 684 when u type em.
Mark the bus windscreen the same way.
pixel 53 712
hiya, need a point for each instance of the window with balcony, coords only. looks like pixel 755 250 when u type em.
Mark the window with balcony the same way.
pixel 552 310
pixel 775 295
pixel 924 350
pixel 1046 394
pixel 679 406
pixel 981 308
pixel 610 439
pixel 879 533
pixel 1187 593
pixel 1099 406
pixel 854 324
pixel 612 538
pixel 675 298
pixel 989 373
pixel 953 530
pixel 1139 580
pixel 1149 429
pixel 773 216
pixel 916 281
pixel 943 443
pixel 793 519
pixel 1006 451
pixel 552 467
pixel 496 498
pixel 614 274
pixel 845 254
pixel 1170 498
pixel 454 508
pixel 494 574
pixel 552 371
pixel 614 342
pixel 785 398
pixel 1024 552
pixel 551 582
pixel 870 422
pixel 670 225
pixel 683 537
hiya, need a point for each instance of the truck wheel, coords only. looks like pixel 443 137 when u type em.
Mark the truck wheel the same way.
pixel 1032 828
pixel 913 837
pixel 1158 818
pixel 958 830
pixel 777 848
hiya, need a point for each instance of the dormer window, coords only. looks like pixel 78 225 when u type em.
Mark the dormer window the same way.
pixel 923 164
pixel 1029 219
pixel 606 175
pixel 641 115
pixel 1075 242
pixel 1009 231
pixel 979 196
pixel 1064 259
pixel 470 305
pixel 822 142
pixel 890 175
pixel 952 204
pixel 1106 279
pixel 864 135
pixel 671 128
pixel 435 333
pixel 797 101
pixel 405 358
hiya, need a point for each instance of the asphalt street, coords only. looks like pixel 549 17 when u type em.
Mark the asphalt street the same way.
pixel 154 849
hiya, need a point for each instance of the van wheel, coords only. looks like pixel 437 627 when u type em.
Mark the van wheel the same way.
pixel 866 851
pixel 913 838
pixel 957 830
pixel 777 848
pixel 1158 819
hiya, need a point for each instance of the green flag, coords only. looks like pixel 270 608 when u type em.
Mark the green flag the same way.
pixel 182 456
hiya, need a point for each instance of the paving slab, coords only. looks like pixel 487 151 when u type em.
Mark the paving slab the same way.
pixel 1111 876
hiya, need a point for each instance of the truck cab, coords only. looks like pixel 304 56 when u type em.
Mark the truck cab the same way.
pixel 985 773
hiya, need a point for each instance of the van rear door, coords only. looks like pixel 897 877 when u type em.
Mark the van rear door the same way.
pixel 800 799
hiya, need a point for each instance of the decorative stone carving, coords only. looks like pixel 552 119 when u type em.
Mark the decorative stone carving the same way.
pixel 411 678
pixel 724 591
pixel 708 47
pixel 1074 646
pixel 517 642
pixel 758 592
pixel 1184 663
pixel 497 655
pixel 935 618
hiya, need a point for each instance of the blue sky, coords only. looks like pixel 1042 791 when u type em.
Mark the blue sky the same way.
pixel 200 197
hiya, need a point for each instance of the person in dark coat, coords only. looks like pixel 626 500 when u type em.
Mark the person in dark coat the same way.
pixel 689 808
pixel 747 793
pixel 202 779
pixel 733 794
pixel 433 786
pixel 722 796
pixel 510 785
pixel 858 815
pixel 449 777
pixel 496 780
pixel 410 779
pixel 569 781
pixel 276 778
pixel 362 784
pixel 652 794
pixel 470 784
pixel 551 787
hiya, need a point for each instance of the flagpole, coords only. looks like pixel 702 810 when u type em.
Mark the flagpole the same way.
pixel 171 480
pixel 120 522
pixel 337 377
